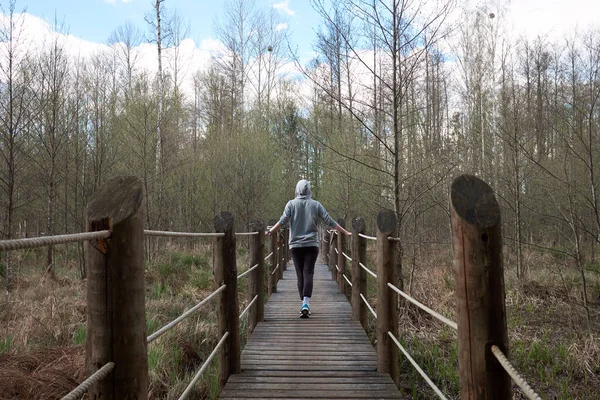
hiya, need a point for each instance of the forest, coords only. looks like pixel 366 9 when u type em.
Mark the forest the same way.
pixel 400 98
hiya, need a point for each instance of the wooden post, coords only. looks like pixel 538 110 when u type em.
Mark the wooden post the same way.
pixel 332 256
pixel 325 252
pixel 280 256
pixel 479 278
pixel 116 309
pixel 320 238
pixel 225 271
pixel 387 299
pixel 341 260
pixel 272 248
pixel 256 280
pixel 359 276
pixel 286 249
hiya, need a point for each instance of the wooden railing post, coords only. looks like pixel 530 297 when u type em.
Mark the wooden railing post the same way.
pixel 225 271
pixel 325 252
pixel 256 280
pixel 116 309
pixel 359 276
pixel 341 261
pixel 286 249
pixel 479 277
pixel 387 299
pixel 272 248
pixel 332 255
pixel 280 255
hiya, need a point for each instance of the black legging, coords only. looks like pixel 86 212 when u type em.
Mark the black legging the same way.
pixel 304 261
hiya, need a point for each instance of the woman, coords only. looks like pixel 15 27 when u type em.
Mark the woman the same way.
pixel 303 214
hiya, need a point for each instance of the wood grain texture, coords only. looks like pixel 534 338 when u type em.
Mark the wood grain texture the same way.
pixel 327 356
pixel 480 293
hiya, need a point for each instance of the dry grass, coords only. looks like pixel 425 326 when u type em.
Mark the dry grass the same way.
pixel 550 343
pixel 41 374
pixel 43 326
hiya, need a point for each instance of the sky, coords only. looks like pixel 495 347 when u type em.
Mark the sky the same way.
pixel 94 20
pixel 89 23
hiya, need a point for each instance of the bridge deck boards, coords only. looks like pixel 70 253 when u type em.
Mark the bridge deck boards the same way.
pixel 327 356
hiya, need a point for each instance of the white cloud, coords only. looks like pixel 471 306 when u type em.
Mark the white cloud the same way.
pixel 281 27
pixel 37 34
pixel 553 18
pixel 284 7
pixel 110 1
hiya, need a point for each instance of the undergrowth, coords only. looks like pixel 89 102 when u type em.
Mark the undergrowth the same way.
pixel 550 341
pixel 43 315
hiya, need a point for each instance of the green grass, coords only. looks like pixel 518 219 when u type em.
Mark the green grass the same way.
pixel 6 344
pixel 438 358
pixel 79 335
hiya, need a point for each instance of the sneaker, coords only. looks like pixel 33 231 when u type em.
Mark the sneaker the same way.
pixel 304 311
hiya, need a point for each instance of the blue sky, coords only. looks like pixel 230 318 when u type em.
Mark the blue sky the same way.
pixel 94 20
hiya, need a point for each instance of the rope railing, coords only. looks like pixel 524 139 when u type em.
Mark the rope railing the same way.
pixel 248 306
pixel 269 256
pixel 19 244
pixel 246 233
pixel 182 234
pixel 338 268
pixel 347 280
pixel 347 256
pixel 368 305
pixel 336 250
pixel 275 269
pixel 240 276
pixel 419 369
pixel 183 316
pixel 439 316
pixel 367 237
pixel 394 239
pixel 363 266
pixel 84 386
pixel 516 377
pixel 189 388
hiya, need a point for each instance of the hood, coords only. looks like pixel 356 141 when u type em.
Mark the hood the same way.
pixel 303 189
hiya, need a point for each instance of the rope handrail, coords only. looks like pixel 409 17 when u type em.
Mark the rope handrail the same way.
pixel 275 270
pixel 18 244
pixel 85 385
pixel 246 233
pixel 419 370
pixel 189 388
pixel 247 271
pixel 183 316
pixel 338 268
pixel 347 280
pixel 367 237
pixel 336 250
pixel 516 377
pixel 182 234
pixel 248 306
pixel 269 256
pixel 423 307
pixel 347 256
pixel 363 266
pixel 394 239
pixel 368 305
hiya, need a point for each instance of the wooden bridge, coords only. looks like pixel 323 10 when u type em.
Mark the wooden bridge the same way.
pixel 327 356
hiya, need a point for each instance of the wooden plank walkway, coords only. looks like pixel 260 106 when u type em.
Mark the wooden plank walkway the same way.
pixel 327 356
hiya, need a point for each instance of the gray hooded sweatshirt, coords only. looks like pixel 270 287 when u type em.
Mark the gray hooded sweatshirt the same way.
pixel 303 214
